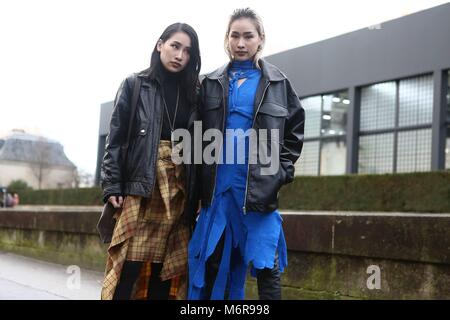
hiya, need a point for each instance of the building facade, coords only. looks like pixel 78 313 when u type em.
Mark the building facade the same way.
pixel 38 161
pixel 376 100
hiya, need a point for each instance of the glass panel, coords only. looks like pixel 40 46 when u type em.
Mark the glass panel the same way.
pixel 414 151
pixel 416 101
pixel 308 164
pixel 312 106
pixel 334 113
pixel 378 106
pixel 448 97
pixel 447 150
pixel 376 153
pixel 333 156
pixel 447 146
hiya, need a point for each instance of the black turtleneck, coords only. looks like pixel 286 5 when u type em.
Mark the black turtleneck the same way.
pixel 169 82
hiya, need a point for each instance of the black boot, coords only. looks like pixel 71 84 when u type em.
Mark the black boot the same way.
pixel 269 282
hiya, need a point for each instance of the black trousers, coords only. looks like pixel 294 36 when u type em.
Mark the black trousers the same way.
pixel 268 280
pixel 157 289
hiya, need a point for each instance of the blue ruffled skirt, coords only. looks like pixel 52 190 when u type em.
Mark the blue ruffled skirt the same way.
pixel 251 238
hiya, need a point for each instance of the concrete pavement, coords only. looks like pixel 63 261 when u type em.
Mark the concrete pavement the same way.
pixel 23 278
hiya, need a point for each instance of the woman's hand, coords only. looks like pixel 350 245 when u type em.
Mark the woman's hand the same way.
pixel 116 201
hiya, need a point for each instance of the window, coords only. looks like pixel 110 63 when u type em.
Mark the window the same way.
pixel 376 153
pixel 447 145
pixel 414 151
pixel 324 150
pixel 448 98
pixel 333 154
pixel 447 150
pixel 312 106
pixel 308 164
pixel 416 101
pixel 334 114
pixel 396 119
pixel 378 106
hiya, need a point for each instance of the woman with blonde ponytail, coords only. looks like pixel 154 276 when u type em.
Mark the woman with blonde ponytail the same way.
pixel 239 223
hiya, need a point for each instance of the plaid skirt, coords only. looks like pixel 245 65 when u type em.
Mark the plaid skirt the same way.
pixel 149 230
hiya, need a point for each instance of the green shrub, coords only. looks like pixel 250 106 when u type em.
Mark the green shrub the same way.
pixel 80 196
pixel 18 186
pixel 410 192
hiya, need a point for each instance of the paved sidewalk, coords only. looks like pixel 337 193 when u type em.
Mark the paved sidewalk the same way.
pixel 23 278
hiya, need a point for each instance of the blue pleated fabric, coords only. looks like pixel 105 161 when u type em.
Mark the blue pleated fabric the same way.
pixel 252 238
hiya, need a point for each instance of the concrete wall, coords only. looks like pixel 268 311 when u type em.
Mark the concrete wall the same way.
pixel 59 234
pixel 330 253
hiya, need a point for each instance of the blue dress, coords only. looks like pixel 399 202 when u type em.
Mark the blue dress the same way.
pixel 251 237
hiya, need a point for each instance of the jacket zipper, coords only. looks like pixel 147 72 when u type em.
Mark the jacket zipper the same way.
pixel 244 209
pixel 223 127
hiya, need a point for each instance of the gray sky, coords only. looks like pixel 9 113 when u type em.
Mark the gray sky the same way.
pixel 59 60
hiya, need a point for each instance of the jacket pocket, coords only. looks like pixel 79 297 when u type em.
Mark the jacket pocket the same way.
pixel 273 109
pixel 271 117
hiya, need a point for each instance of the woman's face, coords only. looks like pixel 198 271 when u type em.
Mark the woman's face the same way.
pixel 243 39
pixel 175 52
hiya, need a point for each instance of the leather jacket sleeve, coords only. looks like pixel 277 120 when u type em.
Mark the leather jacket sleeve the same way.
pixel 293 134
pixel 111 170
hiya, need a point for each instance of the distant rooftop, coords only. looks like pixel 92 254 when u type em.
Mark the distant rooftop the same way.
pixel 25 147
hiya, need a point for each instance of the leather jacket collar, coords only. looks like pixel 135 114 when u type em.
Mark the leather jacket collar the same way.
pixel 269 71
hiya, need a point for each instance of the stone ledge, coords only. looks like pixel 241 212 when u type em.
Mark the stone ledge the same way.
pixel 401 236
pixel 418 237
pixel 52 218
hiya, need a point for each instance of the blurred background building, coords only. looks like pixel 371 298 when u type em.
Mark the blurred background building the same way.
pixel 36 160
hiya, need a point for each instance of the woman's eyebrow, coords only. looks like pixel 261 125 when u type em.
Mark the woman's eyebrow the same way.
pixel 179 43
pixel 244 33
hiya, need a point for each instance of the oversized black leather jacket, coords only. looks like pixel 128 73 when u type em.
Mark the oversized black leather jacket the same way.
pixel 277 106
pixel 138 176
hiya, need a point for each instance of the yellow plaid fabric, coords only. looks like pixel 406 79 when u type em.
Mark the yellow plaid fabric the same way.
pixel 149 230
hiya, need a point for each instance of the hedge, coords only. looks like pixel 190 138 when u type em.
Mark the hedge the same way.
pixel 80 197
pixel 410 192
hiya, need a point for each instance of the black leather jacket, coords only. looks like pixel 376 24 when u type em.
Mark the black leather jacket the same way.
pixel 138 177
pixel 276 106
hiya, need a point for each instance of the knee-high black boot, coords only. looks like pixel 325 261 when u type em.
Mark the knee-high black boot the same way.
pixel 212 267
pixel 269 282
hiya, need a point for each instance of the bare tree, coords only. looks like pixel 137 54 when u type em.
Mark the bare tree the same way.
pixel 86 179
pixel 83 179
pixel 40 160
pixel 76 178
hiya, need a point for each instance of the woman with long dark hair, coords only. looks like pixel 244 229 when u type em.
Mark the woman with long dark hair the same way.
pixel 147 256
pixel 239 224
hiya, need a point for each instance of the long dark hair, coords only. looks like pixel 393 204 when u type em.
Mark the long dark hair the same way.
pixel 189 75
